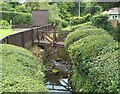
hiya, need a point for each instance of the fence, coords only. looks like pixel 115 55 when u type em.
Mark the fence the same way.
pixel 25 38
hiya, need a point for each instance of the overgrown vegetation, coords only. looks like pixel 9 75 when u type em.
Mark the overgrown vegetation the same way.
pixel 20 13
pixel 4 24
pixel 94 60
pixel 17 17
pixel 93 52
pixel 80 20
pixel 101 21
pixel 115 32
pixel 21 72
pixel 81 32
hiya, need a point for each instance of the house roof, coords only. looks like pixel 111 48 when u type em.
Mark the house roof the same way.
pixel 115 10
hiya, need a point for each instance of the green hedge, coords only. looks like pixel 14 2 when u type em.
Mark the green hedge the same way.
pixel 4 24
pixel 101 77
pixel 87 48
pixel 80 20
pixel 71 28
pixel 115 32
pixel 104 73
pixel 81 32
pixel 17 17
pixel 21 72
pixel 101 21
pixel 93 53
pixel 74 27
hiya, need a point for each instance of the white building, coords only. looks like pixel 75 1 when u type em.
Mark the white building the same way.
pixel 113 13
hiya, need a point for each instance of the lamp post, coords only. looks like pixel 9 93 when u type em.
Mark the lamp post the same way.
pixel 79 9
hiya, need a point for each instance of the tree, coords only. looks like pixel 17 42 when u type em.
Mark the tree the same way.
pixel 74 10
pixel 5 6
pixel 52 9
pixel 65 8
pixel 22 8
pixel 37 5
pixel 92 8
pixel 108 5
pixel 14 4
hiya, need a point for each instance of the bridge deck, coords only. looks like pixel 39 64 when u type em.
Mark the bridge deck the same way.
pixel 46 43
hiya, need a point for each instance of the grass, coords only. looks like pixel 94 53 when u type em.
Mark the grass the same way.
pixel 5 32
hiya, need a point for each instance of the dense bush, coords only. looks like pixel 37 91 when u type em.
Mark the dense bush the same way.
pixel 21 72
pixel 92 8
pixel 81 32
pixel 71 28
pixel 57 25
pixel 4 24
pixel 115 32
pixel 104 73
pixel 22 8
pixel 87 48
pixel 22 18
pixel 80 20
pixel 64 23
pixel 74 27
pixel 101 76
pixel 101 21
pixel 94 60
pixel 16 17
pixel 64 9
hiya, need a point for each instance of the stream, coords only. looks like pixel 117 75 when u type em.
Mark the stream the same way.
pixel 57 65
pixel 57 71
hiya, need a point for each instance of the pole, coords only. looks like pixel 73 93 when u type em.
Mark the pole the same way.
pixel 79 9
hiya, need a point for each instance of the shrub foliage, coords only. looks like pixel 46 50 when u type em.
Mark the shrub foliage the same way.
pixel 81 32
pixel 101 21
pixel 80 20
pixel 94 56
pixel 17 17
pixel 21 72
pixel 4 24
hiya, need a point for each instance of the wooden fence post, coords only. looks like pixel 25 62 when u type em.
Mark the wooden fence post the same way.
pixel 32 36
pixel 22 39
pixel 38 36
pixel 54 38
pixel 7 40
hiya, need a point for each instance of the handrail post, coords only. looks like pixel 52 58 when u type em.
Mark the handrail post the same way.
pixel 38 36
pixel 32 36
pixel 47 28
pixel 7 40
pixel 54 38
pixel 22 39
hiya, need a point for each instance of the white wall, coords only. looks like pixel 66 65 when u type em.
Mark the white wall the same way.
pixel 115 16
pixel 112 17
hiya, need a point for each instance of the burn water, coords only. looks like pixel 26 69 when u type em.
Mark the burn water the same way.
pixel 57 68
pixel 57 63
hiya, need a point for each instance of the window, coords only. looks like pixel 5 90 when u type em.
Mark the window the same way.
pixel 113 17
